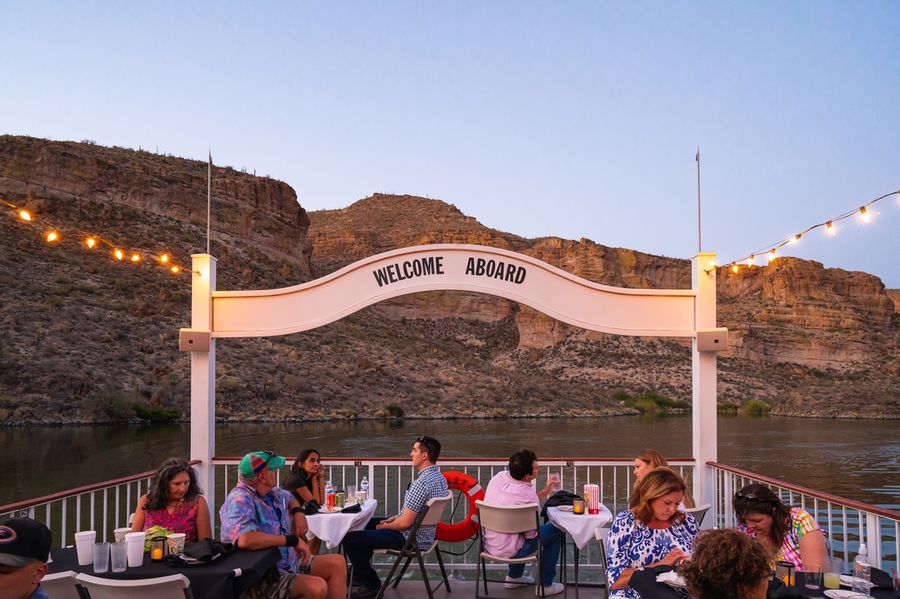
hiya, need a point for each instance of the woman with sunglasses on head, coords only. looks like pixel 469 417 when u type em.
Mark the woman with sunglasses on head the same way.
pixel 651 532
pixel 789 534
pixel 307 482
pixel 646 461
pixel 174 501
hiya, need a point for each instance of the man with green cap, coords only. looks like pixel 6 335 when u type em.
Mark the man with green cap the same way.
pixel 257 514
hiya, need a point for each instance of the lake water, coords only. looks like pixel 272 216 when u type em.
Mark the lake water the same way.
pixel 858 459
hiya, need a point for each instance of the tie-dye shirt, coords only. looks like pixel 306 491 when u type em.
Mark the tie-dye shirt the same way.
pixel 801 523
pixel 182 519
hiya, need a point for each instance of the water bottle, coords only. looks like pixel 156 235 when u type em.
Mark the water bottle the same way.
pixel 329 496
pixel 364 487
pixel 862 571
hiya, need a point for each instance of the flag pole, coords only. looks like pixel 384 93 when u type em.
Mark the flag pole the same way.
pixel 208 197
pixel 699 244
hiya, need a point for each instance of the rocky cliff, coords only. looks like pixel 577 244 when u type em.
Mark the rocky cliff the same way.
pixel 85 338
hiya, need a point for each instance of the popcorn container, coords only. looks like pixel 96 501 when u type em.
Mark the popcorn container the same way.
pixel 592 496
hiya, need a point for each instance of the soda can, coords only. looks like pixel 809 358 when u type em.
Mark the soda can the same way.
pixel 339 500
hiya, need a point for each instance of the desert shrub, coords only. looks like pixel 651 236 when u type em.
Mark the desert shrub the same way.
pixel 755 407
pixel 394 410
pixel 108 406
pixel 155 415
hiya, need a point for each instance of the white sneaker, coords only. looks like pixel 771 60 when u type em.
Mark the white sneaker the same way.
pixel 521 581
pixel 554 589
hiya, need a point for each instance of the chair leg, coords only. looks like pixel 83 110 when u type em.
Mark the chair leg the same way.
pixel 484 573
pixel 440 560
pixel 387 581
pixel 402 572
pixel 478 576
pixel 424 574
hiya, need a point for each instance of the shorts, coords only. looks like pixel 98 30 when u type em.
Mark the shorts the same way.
pixel 276 584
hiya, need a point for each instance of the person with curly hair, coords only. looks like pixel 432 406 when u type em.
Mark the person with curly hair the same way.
pixel 789 534
pixel 727 565
pixel 651 532
pixel 174 501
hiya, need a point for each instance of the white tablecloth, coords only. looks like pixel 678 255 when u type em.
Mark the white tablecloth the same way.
pixel 333 527
pixel 580 527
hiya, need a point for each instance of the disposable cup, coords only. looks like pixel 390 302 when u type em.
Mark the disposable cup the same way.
pixel 175 541
pixel 118 556
pixel 832 577
pixel 101 557
pixel 134 547
pixel 120 533
pixel 84 546
pixel 351 492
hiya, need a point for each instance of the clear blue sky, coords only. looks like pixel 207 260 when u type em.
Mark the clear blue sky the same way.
pixel 576 119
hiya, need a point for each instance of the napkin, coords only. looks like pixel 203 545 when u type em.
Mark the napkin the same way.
pixel 671 578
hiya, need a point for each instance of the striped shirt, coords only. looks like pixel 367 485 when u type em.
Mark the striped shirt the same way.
pixel 801 523
pixel 430 484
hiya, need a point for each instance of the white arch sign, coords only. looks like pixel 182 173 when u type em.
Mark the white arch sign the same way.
pixel 565 297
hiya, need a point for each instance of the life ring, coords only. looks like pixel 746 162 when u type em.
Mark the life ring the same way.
pixel 465 529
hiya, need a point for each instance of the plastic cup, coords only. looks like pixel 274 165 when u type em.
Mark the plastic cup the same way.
pixel 175 541
pixel 101 557
pixel 119 534
pixel 351 492
pixel 812 576
pixel 118 556
pixel 134 547
pixel 84 546
pixel 832 577
pixel 555 481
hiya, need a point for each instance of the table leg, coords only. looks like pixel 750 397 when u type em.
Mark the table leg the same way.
pixel 575 545
pixel 562 561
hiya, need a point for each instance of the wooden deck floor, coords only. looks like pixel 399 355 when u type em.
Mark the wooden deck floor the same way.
pixel 415 589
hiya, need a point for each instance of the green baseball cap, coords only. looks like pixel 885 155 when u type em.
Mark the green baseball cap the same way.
pixel 255 462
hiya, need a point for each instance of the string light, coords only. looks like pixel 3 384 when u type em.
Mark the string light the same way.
pixel 91 241
pixel 864 212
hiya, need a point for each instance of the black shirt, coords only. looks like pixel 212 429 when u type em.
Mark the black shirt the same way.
pixel 294 481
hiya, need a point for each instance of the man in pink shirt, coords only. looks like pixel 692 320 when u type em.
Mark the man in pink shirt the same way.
pixel 515 487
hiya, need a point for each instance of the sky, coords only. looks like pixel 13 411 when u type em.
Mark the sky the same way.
pixel 573 119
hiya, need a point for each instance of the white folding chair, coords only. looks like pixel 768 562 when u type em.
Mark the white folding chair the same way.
pixel 61 585
pixel 507 519
pixel 427 517
pixel 698 512
pixel 602 536
pixel 176 586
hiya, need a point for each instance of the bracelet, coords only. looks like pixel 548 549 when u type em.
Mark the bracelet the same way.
pixel 296 510
pixel 291 540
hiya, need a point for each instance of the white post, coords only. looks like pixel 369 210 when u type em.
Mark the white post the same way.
pixel 203 378
pixel 704 411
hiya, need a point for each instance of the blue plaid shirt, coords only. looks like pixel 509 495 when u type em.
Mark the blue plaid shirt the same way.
pixel 245 510
pixel 430 484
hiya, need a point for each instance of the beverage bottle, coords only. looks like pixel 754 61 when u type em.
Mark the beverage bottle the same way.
pixel 329 496
pixel 862 571
pixel 364 487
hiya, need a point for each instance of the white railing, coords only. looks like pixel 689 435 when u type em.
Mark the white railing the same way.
pixel 845 522
pixel 389 478
pixel 102 506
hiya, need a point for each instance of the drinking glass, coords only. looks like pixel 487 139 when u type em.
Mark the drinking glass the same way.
pixel 553 478
pixel 101 557
pixel 351 492
pixel 812 576
pixel 832 575
pixel 578 506
pixel 118 556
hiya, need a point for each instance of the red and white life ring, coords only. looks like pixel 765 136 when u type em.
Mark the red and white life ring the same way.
pixel 464 529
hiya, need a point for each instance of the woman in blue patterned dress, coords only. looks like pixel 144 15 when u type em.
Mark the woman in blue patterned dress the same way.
pixel 650 533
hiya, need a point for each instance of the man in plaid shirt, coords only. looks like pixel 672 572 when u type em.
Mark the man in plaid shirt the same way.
pixel 391 533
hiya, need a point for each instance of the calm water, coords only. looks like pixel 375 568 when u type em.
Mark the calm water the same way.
pixel 852 458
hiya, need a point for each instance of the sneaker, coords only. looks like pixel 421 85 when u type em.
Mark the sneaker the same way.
pixel 554 589
pixel 521 581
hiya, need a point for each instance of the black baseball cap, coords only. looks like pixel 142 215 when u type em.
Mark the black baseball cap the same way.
pixel 22 541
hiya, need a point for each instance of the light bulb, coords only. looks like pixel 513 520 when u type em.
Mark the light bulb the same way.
pixel 795 238
pixel 175 269
pixel 734 268
pixel 864 215
pixel 712 263
pixel 52 236
pixel 829 228
pixel 25 215
pixel 164 258
pixel 135 258
pixel 772 256
pixel 750 260
pixel 119 254
pixel 90 242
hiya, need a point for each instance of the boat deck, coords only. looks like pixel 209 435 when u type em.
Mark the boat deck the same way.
pixel 415 589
